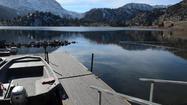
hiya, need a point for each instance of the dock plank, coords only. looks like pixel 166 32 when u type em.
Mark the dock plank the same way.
pixel 77 83
pixel 67 66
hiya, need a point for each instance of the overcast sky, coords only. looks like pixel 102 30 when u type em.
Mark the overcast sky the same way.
pixel 85 5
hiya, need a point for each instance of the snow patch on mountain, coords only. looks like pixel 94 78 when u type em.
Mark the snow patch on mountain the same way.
pixel 137 6
pixel 25 6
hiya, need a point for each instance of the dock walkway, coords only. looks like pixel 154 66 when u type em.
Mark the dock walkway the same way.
pixel 76 80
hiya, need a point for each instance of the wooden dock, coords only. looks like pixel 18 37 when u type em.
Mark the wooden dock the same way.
pixel 76 81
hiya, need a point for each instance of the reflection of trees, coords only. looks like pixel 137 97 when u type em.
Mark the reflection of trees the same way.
pixel 27 36
pixel 136 36
pixel 182 54
pixel 98 37
pixel 145 37
pixel 116 37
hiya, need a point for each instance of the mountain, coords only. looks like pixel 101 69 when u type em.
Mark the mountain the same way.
pixel 130 10
pixel 136 6
pixel 116 16
pixel 25 6
pixel 177 12
pixel 168 17
pixel 147 18
pixel 7 13
pixel 40 19
pixel 139 15
pixel 160 6
pixel 132 14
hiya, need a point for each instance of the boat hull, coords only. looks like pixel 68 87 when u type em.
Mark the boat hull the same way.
pixel 53 97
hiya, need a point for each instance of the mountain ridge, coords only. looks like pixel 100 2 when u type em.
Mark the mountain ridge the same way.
pixel 118 15
pixel 27 6
pixel 132 14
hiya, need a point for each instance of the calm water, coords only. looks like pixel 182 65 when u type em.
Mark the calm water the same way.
pixel 122 57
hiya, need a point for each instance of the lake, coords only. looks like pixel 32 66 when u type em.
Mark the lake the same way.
pixel 122 56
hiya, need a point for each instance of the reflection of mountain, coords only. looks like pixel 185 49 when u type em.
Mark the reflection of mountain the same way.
pixel 100 38
pixel 145 37
pixel 27 36
pixel 116 37
pixel 136 36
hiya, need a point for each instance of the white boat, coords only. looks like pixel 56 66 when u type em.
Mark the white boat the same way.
pixel 2 61
pixel 28 80
pixel 4 52
pixel 8 51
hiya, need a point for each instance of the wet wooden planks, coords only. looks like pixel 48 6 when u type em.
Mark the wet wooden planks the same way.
pixel 76 80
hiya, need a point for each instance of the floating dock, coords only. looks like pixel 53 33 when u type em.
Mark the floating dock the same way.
pixel 76 81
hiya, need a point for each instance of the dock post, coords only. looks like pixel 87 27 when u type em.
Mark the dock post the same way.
pixel 47 54
pixel 100 95
pixel 92 60
pixel 151 92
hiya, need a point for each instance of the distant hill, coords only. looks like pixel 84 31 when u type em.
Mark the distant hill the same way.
pixel 147 18
pixel 132 14
pixel 27 6
pixel 7 13
pixel 161 16
pixel 116 16
pixel 177 12
pixel 40 19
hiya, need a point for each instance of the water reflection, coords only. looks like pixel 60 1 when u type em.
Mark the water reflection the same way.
pixel 122 64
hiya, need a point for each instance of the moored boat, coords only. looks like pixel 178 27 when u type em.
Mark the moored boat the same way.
pixel 8 51
pixel 28 80
pixel 2 61
pixel 4 52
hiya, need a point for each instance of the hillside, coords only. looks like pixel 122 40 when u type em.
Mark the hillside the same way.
pixel 117 16
pixel 165 17
pixel 131 14
pixel 177 12
pixel 150 18
pixel 7 13
pixel 40 19
pixel 139 15
pixel 28 6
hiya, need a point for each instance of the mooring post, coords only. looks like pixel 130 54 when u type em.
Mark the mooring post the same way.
pixel 45 51
pixel 100 97
pixel 92 61
pixel 151 92
pixel 47 54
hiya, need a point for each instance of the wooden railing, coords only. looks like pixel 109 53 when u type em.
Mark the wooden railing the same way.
pixel 128 98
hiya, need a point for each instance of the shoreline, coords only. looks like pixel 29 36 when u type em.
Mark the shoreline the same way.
pixel 176 31
pixel 79 28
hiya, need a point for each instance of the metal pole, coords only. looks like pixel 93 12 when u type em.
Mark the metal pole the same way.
pixel 92 61
pixel 46 54
pixel 100 95
pixel 151 92
pixel 45 51
pixel 47 57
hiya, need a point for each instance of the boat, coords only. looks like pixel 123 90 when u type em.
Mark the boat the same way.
pixel 4 52
pixel 13 50
pixel 8 51
pixel 29 80
pixel 2 61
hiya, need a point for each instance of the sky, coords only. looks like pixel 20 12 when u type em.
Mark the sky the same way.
pixel 85 5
